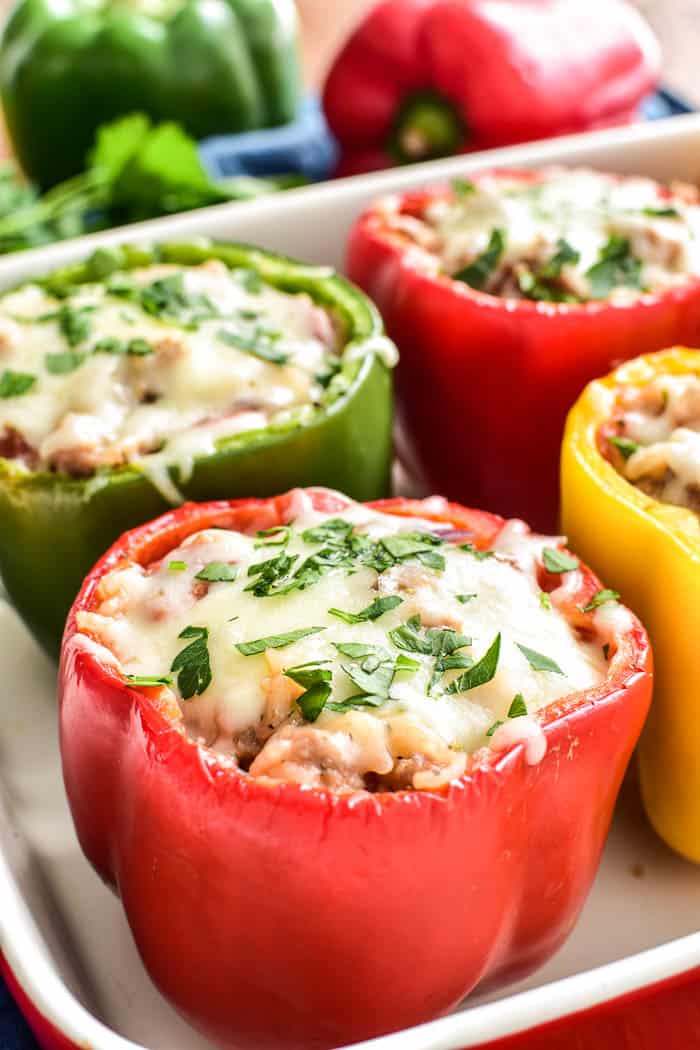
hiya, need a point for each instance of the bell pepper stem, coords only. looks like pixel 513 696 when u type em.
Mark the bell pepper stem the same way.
pixel 426 126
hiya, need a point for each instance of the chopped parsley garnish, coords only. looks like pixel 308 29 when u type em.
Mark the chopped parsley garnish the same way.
pixel 556 561
pixel 616 267
pixel 63 362
pixel 260 343
pixel 276 641
pixel 373 611
pixel 543 282
pixel 138 347
pixel 469 548
pixel 192 663
pixel 625 446
pixel 218 572
pixel 538 661
pixel 440 642
pixel 149 680
pixel 335 530
pixel 662 213
pixel 479 673
pixel 463 188
pixel 518 708
pixel 464 598
pixel 372 676
pixel 111 345
pixel 565 255
pixel 248 279
pixel 14 384
pixel 600 599
pixel 270 574
pixel 477 273
pixel 177 566
pixel 544 600
pixel 276 536
pixel 74 322
pixel 166 299
pixel 316 681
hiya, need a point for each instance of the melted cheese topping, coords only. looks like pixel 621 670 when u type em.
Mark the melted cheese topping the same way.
pixel 621 235
pixel 414 731
pixel 112 377
pixel 661 423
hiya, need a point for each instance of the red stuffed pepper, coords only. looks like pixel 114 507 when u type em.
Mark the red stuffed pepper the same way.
pixel 506 294
pixel 425 78
pixel 344 761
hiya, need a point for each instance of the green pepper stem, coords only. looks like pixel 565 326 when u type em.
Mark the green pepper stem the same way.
pixel 426 126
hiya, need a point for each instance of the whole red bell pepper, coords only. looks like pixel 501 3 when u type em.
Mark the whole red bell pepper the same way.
pixel 484 383
pixel 426 78
pixel 274 916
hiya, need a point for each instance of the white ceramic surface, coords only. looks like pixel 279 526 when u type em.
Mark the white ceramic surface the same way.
pixel 64 934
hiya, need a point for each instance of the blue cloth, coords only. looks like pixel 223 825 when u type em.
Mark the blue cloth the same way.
pixel 308 148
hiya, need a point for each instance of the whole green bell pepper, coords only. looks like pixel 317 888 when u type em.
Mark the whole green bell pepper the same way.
pixel 215 66
pixel 55 526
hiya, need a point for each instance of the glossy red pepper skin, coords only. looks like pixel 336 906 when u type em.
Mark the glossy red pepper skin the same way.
pixel 483 383
pixel 509 70
pixel 277 917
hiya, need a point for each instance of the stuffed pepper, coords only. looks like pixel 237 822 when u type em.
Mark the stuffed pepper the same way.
pixel 631 499
pixel 506 294
pixel 142 377
pixel 425 78
pixel 303 730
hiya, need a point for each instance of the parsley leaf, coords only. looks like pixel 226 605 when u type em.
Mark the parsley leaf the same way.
pixel 316 680
pixel 63 362
pixel 373 676
pixel 662 213
pixel 373 611
pixel 544 600
pixel 14 384
pixel 335 530
pixel 192 663
pixel 616 266
pixel 148 680
pixel 556 561
pixel 463 188
pixel 464 598
pixel 496 725
pixel 625 446
pixel 600 599
pixel 539 662
pixel 480 555
pixel 218 572
pixel 565 255
pixel 481 672
pixel 518 708
pixel 270 574
pixel 277 536
pixel 177 566
pixel 477 273
pixel 75 322
pixel 259 343
pixel 276 641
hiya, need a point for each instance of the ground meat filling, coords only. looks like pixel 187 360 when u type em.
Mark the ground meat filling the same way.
pixel 164 361
pixel 352 651
pixel 653 439
pixel 560 235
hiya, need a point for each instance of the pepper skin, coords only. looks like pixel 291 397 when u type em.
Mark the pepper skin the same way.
pixel 214 66
pixel 425 78
pixel 484 383
pixel 280 917
pixel 650 552
pixel 54 527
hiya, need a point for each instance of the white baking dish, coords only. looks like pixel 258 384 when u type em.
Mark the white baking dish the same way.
pixel 62 933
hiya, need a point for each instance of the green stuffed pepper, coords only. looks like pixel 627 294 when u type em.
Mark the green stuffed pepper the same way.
pixel 143 377
pixel 213 65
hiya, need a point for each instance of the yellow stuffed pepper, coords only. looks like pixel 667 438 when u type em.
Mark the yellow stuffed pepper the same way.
pixel 631 509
